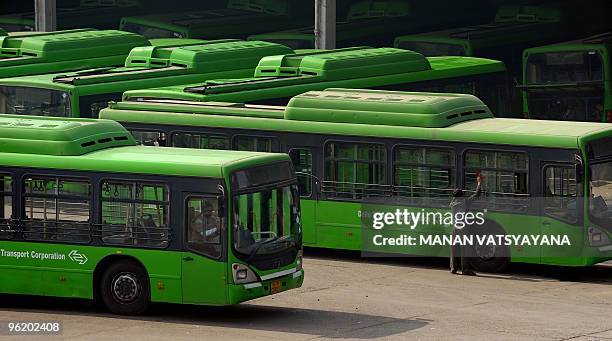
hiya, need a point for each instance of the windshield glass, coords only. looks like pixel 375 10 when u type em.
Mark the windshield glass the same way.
pixel 567 104
pixel 432 49
pixel 601 193
pixel 17 27
pixel 564 67
pixel 151 32
pixel 34 101
pixel 266 221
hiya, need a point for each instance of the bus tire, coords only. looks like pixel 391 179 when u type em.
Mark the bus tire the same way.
pixel 490 258
pixel 125 288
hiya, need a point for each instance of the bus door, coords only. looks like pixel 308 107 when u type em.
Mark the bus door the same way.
pixel 302 158
pixel 203 267
pixel 560 214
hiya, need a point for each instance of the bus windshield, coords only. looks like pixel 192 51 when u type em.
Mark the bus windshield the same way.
pixel 265 218
pixel 564 67
pixel 34 101
pixel 600 206
pixel 567 104
pixel 429 49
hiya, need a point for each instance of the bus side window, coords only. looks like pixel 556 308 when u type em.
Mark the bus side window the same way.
pixel 6 207
pixel 256 143
pixel 200 141
pixel 57 209
pixel 203 226
pixel 149 138
pixel 135 213
pixel 424 172
pixel 355 170
pixel 302 162
pixel 505 178
pixel 560 192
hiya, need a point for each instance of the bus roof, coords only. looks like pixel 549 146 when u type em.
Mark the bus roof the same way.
pixel 372 113
pixel 32 53
pixel 599 41
pixel 317 70
pixel 103 145
pixel 207 57
pixel 510 20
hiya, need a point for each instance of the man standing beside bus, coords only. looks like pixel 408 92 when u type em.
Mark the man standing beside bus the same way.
pixel 459 253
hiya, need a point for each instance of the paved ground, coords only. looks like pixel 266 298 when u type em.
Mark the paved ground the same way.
pixel 347 297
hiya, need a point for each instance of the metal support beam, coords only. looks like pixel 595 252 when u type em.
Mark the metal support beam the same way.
pixel 46 19
pixel 325 24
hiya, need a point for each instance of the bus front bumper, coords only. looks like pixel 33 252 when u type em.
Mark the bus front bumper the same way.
pixel 239 293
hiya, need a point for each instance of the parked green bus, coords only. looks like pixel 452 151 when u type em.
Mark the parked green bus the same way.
pixel 278 78
pixel 85 213
pixel 360 149
pixel 240 19
pixel 103 14
pixel 83 93
pixel 39 53
pixel 377 23
pixel 570 81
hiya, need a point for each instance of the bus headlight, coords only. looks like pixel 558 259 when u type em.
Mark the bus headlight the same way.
pixel 598 237
pixel 299 261
pixel 242 274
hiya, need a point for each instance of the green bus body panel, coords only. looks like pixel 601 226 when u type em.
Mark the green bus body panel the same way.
pixel 239 19
pixel 157 66
pixel 96 13
pixel 553 134
pixel 430 110
pixel 287 76
pixel 36 53
pixel 601 44
pixel 56 136
pixel 68 271
pixel 513 24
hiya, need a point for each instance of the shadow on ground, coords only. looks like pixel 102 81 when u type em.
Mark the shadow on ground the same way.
pixel 599 274
pixel 319 323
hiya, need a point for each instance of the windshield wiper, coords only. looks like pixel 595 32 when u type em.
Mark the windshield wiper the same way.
pixel 258 246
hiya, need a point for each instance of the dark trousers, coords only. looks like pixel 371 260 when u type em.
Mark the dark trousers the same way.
pixel 459 258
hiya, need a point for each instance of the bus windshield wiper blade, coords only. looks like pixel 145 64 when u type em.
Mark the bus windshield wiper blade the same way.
pixel 258 246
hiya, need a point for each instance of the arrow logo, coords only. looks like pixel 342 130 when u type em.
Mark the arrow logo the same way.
pixel 77 257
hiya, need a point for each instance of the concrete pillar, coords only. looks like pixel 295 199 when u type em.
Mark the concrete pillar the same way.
pixel 325 24
pixel 45 15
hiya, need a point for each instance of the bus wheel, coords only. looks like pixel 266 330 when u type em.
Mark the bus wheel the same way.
pixel 490 258
pixel 125 288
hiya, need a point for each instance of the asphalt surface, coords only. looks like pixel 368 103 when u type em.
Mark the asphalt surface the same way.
pixel 346 297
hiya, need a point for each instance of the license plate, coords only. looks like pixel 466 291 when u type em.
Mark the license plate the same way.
pixel 275 287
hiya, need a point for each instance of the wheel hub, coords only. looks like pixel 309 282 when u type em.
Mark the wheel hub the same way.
pixel 125 288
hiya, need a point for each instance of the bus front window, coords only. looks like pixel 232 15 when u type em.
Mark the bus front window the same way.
pixel 34 101
pixel 565 86
pixel 266 221
pixel 600 205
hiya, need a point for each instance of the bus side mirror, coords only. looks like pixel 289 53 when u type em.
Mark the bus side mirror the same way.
pixel 578 166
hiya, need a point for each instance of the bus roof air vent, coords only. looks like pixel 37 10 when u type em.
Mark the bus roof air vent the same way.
pixel 408 109
pixel 64 45
pixel 60 136
pixel 344 63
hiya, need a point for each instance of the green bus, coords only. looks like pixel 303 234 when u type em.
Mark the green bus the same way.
pixel 83 93
pixel 278 78
pixel 240 19
pixel 357 150
pixel 103 14
pixel 376 23
pixel 39 53
pixel 569 81
pixel 85 213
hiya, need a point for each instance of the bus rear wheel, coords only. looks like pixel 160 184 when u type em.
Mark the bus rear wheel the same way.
pixel 125 288
pixel 490 258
